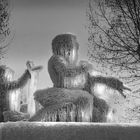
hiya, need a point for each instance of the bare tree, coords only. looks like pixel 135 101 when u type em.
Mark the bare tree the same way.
pixel 114 36
pixel 114 40
pixel 5 11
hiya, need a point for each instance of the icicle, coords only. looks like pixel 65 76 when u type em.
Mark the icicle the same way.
pixel 13 98
pixel 32 87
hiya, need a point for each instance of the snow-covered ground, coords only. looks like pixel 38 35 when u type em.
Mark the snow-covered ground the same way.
pixel 68 131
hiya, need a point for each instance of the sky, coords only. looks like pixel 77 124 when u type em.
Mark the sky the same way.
pixel 35 23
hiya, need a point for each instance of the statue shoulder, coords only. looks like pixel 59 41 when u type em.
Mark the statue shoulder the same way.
pixel 57 59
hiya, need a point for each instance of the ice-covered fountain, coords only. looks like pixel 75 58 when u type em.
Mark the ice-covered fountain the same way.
pixel 78 95
pixel 75 96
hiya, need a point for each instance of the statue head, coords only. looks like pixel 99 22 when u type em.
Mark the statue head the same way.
pixel 66 45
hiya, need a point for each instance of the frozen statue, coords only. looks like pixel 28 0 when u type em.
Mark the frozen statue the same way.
pixel 74 96
pixel 6 86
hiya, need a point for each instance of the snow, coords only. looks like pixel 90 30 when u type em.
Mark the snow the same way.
pixel 68 131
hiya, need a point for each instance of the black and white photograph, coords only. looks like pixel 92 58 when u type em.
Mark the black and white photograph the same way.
pixel 69 69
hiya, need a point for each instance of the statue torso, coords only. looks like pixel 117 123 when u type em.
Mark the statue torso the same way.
pixel 62 81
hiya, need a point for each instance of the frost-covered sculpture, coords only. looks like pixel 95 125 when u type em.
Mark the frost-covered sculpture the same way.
pixel 73 96
pixel 13 96
pixel 31 103
pixel 66 101
pixel 6 86
pixel 104 99
pixel 63 67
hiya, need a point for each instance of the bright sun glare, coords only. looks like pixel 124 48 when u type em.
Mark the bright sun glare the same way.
pixel 100 91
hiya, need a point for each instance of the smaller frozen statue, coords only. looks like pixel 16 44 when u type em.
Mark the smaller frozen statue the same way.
pixel 6 85
pixel 74 97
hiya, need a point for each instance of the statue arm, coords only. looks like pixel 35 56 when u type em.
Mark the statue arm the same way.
pixel 18 83
pixel 62 67
pixel 111 82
